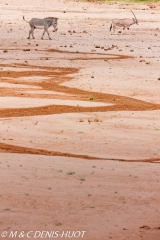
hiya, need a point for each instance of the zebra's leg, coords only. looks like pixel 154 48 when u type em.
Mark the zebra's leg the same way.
pixel 48 34
pixel 29 33
pixel 43 34
pixel 33 33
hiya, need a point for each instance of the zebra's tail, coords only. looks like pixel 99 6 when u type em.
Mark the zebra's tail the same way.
pixel 24 19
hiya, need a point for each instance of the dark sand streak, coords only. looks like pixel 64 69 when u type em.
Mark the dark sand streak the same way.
pixel 25 150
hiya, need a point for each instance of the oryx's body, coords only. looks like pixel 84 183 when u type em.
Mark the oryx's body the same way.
pixel 124 23
pixel 44 23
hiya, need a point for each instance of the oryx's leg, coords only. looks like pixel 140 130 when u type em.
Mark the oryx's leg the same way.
pixel 129 32
pixel 123 29
pixel 114 29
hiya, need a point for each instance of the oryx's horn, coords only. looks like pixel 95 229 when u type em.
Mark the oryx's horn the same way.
pixel 134 16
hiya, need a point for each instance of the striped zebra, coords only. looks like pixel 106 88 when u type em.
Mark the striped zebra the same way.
pixel 45 23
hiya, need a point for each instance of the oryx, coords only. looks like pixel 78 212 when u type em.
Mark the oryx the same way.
pixel 124 23
pixel 44 23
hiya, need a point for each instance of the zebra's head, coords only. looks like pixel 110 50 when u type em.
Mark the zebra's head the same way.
pixel 55 23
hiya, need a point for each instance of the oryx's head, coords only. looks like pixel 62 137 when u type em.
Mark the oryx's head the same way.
pixel 134 19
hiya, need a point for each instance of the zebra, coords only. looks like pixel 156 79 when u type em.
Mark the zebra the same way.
pixel 44 23
pixel 125 22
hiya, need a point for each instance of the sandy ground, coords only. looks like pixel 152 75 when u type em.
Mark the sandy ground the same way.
pixel 79 122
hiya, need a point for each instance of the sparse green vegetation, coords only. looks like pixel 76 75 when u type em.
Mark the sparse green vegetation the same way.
pixel 70 173
pixel 82 179
pixel 58 224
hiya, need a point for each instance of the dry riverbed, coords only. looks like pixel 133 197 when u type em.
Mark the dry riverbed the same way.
pixel 80 121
